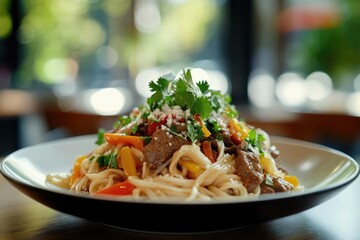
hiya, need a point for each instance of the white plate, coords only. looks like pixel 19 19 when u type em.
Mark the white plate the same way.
pixel 322 171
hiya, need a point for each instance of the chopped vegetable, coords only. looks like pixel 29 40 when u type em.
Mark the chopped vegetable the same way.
pixel 268 164
pixel 238 131
pixel 100 136
pixel 206 149
pixel 152 127
pixel 138 162
pixel 128 161
pixel 122 121
pixel 118 138
pixel 107 160
pixel 256 140
pixel 121 188
pixel 204 129
pixel 292 180
pixel 192 167
pixel 76 172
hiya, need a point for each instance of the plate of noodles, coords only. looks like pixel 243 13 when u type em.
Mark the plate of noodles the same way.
pixel 184 161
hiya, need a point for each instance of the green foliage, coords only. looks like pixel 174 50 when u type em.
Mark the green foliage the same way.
pixel 198 98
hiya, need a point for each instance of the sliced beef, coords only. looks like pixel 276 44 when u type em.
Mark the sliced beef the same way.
pixel 231 150
pixel 248 168
pixel 161 147
pixel 266 188
pixel 277 185
pixel 226 137
pixel 280 185
pixel 275 153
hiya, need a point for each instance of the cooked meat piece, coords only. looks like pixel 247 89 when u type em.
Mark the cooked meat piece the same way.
pixel 161 147
pixel 280 185
pixel 275 153
pixel 266 188
pixel 231 150
pixel 141 129
pixel 226 138
pixel 248 168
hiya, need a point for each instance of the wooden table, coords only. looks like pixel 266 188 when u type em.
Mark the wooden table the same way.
pixel 24 218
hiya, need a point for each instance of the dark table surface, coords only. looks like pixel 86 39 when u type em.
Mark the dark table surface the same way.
pixel 24 218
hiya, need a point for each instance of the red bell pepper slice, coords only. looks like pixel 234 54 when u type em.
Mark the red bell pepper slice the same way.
pixel 121 189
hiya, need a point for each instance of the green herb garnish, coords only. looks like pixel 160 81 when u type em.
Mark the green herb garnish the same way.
pixel 107 160
pixel 122 121
pixel 100 136
pixel 256 140
pixel 183 92
pixel 194 131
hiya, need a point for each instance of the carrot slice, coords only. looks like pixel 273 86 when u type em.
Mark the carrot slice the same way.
pixel 117 138
pixel 207 150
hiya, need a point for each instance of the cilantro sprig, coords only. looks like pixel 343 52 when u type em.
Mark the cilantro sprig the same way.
pixel 107 160
pixel 256 140
pixel 183 92
pixel 100 136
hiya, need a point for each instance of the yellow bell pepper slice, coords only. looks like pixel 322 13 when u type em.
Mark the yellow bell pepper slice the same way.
pixel 128 161
pixel 204 129
pixel 269 165
pixel 293 180
pixel 238 127
pixel 192 167
pixel 76 172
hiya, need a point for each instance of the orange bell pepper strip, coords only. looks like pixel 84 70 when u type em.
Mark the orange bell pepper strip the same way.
pixel 207 150
pixel 76 172
pixel 128 161
pixel 117 138
pixel 238 130
pixel 121 189
pixel 138 162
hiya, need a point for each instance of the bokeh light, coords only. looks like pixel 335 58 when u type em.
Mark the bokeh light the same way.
pixel 5 25
pixel 58 70
pixel 107 56
pixel 318 86
pixel 107 101
pixel 261 89
pixel 353 104
pixel 147 16
pixel 290 90
pixel 145 76
pixel 216 79
pixel 357 83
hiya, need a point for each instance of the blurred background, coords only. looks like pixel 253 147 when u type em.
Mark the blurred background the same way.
pixel 69 67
